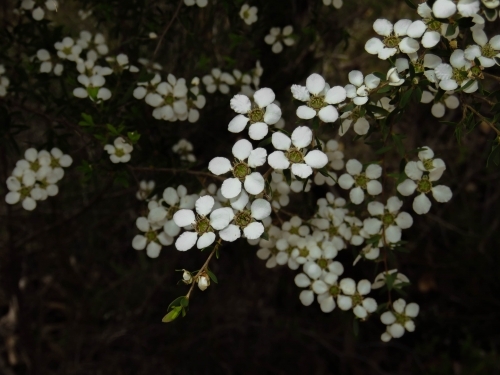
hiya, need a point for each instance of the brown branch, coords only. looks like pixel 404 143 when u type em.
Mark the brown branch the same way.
pixel 483 118
pixel 167 27
pixel 203 268
pixel 176 170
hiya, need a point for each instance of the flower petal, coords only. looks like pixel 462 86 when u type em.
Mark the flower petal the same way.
pixel 278 160
pixel 237 124
pixel 301 170
pixel 231 188
pixel 258 131
pixel 421 204
pixel 260 209
pixel 186 241
pixel 231 233
pixel 263 97
pixel 217 166
pixel 315 83
pixel 242 149
pixel 254 183
pixel 205 240
pixel 253 230
pixel 316 159
pixel 302 137
pixel 204 205
pixel 184 218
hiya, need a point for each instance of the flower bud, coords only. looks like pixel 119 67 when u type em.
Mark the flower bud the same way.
pixel 393 77
pixel 187 278
pixel 203 282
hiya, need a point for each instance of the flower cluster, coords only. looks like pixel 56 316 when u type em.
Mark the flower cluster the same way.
pixel 4 82
pixel 35 177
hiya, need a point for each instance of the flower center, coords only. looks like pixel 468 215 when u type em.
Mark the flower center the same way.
pixel 67 50
pixel 243 218
pixel 433 25
pixel 317 102
pixel 25 191
pixel 304 252
pixel 357 299
pixel 391 41
pixel 203 226
pixel 171 211
pixel 334 290
pixel 488 51
pixel 241 170
pixel 322 263
pixel 256 115
pixel 54 163
pixel 388 219
pixel 119 152
pixel 246 14
pixel 151 236
pixel 355 230
pixel 476 72
pixel 333 231
pixel 295 155
pixel 424 185
pixel 35 166
pixel 459 75
pixel 361 180
pixel 428 164
pixel 401 318
pixel 169 99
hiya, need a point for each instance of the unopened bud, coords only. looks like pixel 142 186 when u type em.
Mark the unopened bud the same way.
pixel 152 35
pixel 393 77
pixel 203 282
pixel 195 81
pixel 186 277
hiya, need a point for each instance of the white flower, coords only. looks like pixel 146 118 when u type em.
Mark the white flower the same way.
pixel 390 218
pixel 399 319
pixel 394 40
pixel 291 151
pixel 336 3
pixel 246 219
pixel 184 148
pixel 248 14
pixel 393 77
pixel 354 297
pixel 361 124
pixel 169 100
pixel 84 14
pixel 253 182
pixel 202 225
pixel 96 46
pixel 151 240
pixel 201 4
pixel 145 189
pixel 361 180
pixel 358 89
pixel 459 73
pixel 264 113
pixel 319 98
pixel 218 81
pixel 280 191
pixel 93 88
pixel 144 88
pixel 444 8
pixel 278 38
pixel 421 177
pixel 485 51
pixel 46 66
pixel 67 49
pixel 175 199
pixel 427 31
pixel 120 152
pixel 38 13
pixel 448 100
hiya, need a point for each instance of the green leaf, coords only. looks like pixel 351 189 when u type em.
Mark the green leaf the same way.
pixel 377 109
pixel 405 98
pixel 112 129
pixel 411 4
pixel 134 136
pixel 172 315
pixel 450 30
pixel 176 302
pixel 212 276
pixel 265 236
pixel 265 142
pixel 288 176
pixel 87 119
pixel 383 150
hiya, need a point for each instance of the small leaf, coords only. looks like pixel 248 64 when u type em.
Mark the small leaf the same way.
pixel 265 142
pixel 265 236
pixel 212 276
pixel 172 315
pixel 405 98
pixel 411 4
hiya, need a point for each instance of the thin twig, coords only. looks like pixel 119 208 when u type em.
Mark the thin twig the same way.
pixel 483 118
pixel 175 170
pixel 166 28
pixel 203 268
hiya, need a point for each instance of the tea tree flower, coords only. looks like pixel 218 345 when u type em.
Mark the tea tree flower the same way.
pixel 485 50
pixel 203 226
pixel 92 88
pixel 4 82
pixel 201 4
pixel 394 41
pixel 422 182
pixel 264 113
pixel 184 149
pixel 399 319
pixel 319 98
pixel 381 279
pixel 291 152
pixel 248 14
pixel 448 100
pixel 46 66
pixel 67 49
pixel 277 38
pixel 218 80
pixel 458 74
pixel 361 180
pixel 151 240
pixel 359 88
pixel 145 189
pixel 253 182
pixel 337 4
pixel 354 299
pixel 246 219
pixel 37 12
pixel 120 151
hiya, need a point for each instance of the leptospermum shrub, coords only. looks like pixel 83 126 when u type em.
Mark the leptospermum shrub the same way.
pixel 107 101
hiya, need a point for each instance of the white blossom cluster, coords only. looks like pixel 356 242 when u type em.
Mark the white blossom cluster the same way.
pixel 120 151
pixel 172 100
pixel 184 149
pixel 35 177
pixel 248 14
pixel 221 81
pixel 38 8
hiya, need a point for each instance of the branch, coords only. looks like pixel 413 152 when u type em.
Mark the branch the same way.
pixel 166 28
